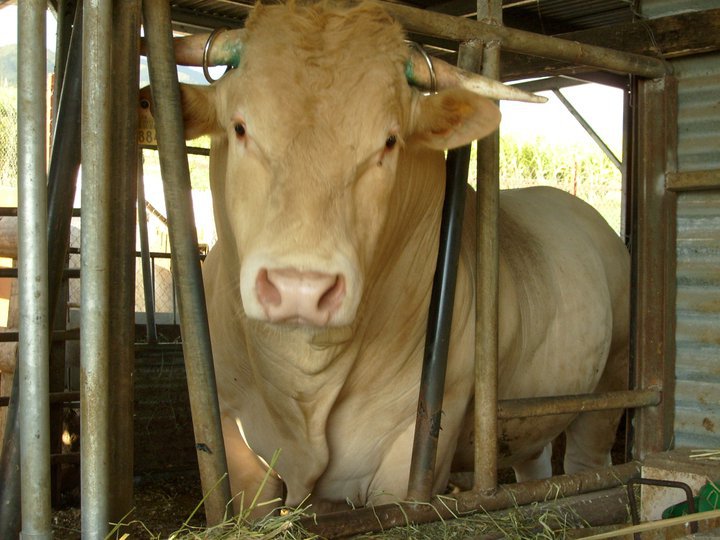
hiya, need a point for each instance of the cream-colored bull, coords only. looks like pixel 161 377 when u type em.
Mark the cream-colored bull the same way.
pixel 327 175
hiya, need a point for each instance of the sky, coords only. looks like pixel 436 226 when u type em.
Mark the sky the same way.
pixel 8 27
pixel 600 106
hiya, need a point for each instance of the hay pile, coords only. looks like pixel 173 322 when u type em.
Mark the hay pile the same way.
pixel 535 522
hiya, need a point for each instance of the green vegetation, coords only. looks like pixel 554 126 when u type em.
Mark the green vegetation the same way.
pixel 580 170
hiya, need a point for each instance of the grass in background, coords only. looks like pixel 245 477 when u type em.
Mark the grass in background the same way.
pixel 581 170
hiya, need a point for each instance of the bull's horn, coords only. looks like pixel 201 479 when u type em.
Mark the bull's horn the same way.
pixel 224 48
pixel 446 75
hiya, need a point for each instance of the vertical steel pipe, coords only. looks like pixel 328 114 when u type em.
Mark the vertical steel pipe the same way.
pixel 62 179
pixel 147 271
pixel 66 11
pixel 123 193
pixel 486 299
pixel 65 162
pixel 186 262
pixel 437 339
pixel 95 283
pixel 34 350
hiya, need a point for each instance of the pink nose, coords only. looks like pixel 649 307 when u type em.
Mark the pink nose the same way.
pixel 287 294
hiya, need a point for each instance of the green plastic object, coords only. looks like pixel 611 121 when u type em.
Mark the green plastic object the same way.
pixel 708 499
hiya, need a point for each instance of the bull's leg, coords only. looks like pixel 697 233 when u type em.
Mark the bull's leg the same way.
pixel 590 437
pixel 247 473
pixel 537 467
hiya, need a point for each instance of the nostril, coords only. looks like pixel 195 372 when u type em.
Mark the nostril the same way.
pixel 332 298
pixel 267 293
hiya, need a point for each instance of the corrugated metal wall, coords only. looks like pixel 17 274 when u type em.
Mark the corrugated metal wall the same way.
pixel 697 408
pixel 697 363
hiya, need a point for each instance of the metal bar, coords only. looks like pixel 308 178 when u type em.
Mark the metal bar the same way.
pixel 432 23
pixel 65 17
pixel 653 259
pixel 55 397
pixel 427 424
pixel 123 193
pixel 641 36
pixel 65 162
pixel 57 335
pixel 62 178
pixel 521 408
pixel 486 295
pixel 520 41
pixel 380 518
pixel 12 211
pixel 588 128
pixel 148 288
pixel 437 339
pixel 95 284
pixel 628 150
pixel 66 273
pixel 34 325
pixel 691 180
pixel 63 168
pixel 186 264
pixel 658 483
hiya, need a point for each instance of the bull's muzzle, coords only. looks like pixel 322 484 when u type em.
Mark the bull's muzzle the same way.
pixel 288 295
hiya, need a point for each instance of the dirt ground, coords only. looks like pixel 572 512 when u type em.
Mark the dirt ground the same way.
pixel 162 504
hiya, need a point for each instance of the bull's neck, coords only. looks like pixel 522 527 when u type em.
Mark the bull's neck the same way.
pixel 287 358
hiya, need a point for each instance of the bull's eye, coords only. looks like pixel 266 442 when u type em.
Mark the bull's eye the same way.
pixel 239 130
pixel 390 142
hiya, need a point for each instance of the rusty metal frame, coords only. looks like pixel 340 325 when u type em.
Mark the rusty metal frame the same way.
pixel 519 408
pixel 653 226
pixel 649 393
pixel 495 37
pixel 380 518
pixel 123 193
pixel 487 278
pixel 462 29
pixel 656 102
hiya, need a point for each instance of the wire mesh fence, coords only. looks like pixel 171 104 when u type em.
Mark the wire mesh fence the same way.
pixel 163 289
pixel 8 137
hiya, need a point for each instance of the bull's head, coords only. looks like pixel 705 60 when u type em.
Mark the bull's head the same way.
pixel 311 135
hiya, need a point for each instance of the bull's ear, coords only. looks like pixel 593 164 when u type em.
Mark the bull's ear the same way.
pixel 452 118
pixel 199 113
pixel 198 109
